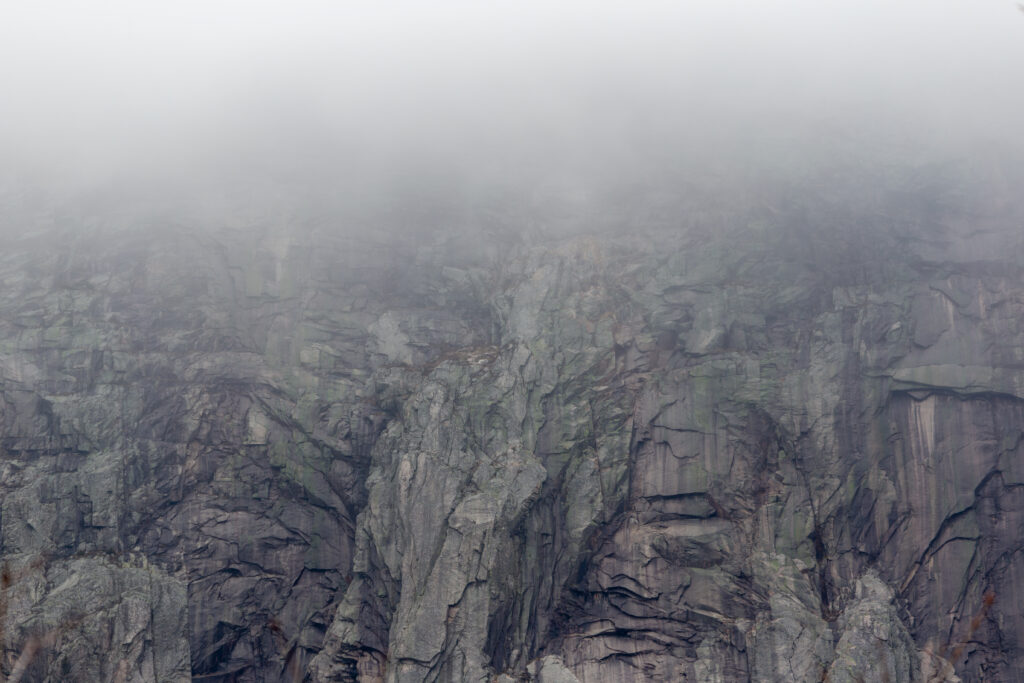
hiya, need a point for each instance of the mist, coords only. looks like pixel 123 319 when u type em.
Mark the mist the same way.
pixel 362 102
pixel 495 340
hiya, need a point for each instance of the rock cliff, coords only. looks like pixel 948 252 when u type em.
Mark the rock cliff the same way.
pixel 719 436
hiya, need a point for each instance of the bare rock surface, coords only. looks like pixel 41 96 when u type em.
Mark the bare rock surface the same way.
pixel 781 440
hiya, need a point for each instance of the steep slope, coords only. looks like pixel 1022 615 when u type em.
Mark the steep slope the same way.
pixel 710 439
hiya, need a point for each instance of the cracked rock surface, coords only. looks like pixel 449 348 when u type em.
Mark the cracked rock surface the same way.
pixel 776 440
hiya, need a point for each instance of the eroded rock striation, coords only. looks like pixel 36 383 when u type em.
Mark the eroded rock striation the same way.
pixel 782 440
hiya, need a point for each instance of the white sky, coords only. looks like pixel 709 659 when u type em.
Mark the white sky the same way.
pixel 94 87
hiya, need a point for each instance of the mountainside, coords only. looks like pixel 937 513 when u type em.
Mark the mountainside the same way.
pixel 721 434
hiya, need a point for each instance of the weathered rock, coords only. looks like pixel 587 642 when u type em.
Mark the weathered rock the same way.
pixel 874 644
pixel 780 442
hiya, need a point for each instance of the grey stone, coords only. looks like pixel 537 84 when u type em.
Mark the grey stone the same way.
pixel 713 452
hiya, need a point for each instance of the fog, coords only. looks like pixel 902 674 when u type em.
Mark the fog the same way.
pixel 369 99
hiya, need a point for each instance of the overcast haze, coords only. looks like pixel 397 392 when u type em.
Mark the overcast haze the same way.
pixel 97 93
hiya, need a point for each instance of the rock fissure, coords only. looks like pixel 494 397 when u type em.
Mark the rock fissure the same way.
pixel 710 450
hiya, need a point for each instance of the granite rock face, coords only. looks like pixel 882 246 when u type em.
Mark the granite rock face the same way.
pixel 777 441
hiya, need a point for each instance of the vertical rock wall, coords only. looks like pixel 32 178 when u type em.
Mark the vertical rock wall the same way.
pixel 783 444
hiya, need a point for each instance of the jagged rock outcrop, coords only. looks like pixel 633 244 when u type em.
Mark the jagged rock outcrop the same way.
pixel 779 440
